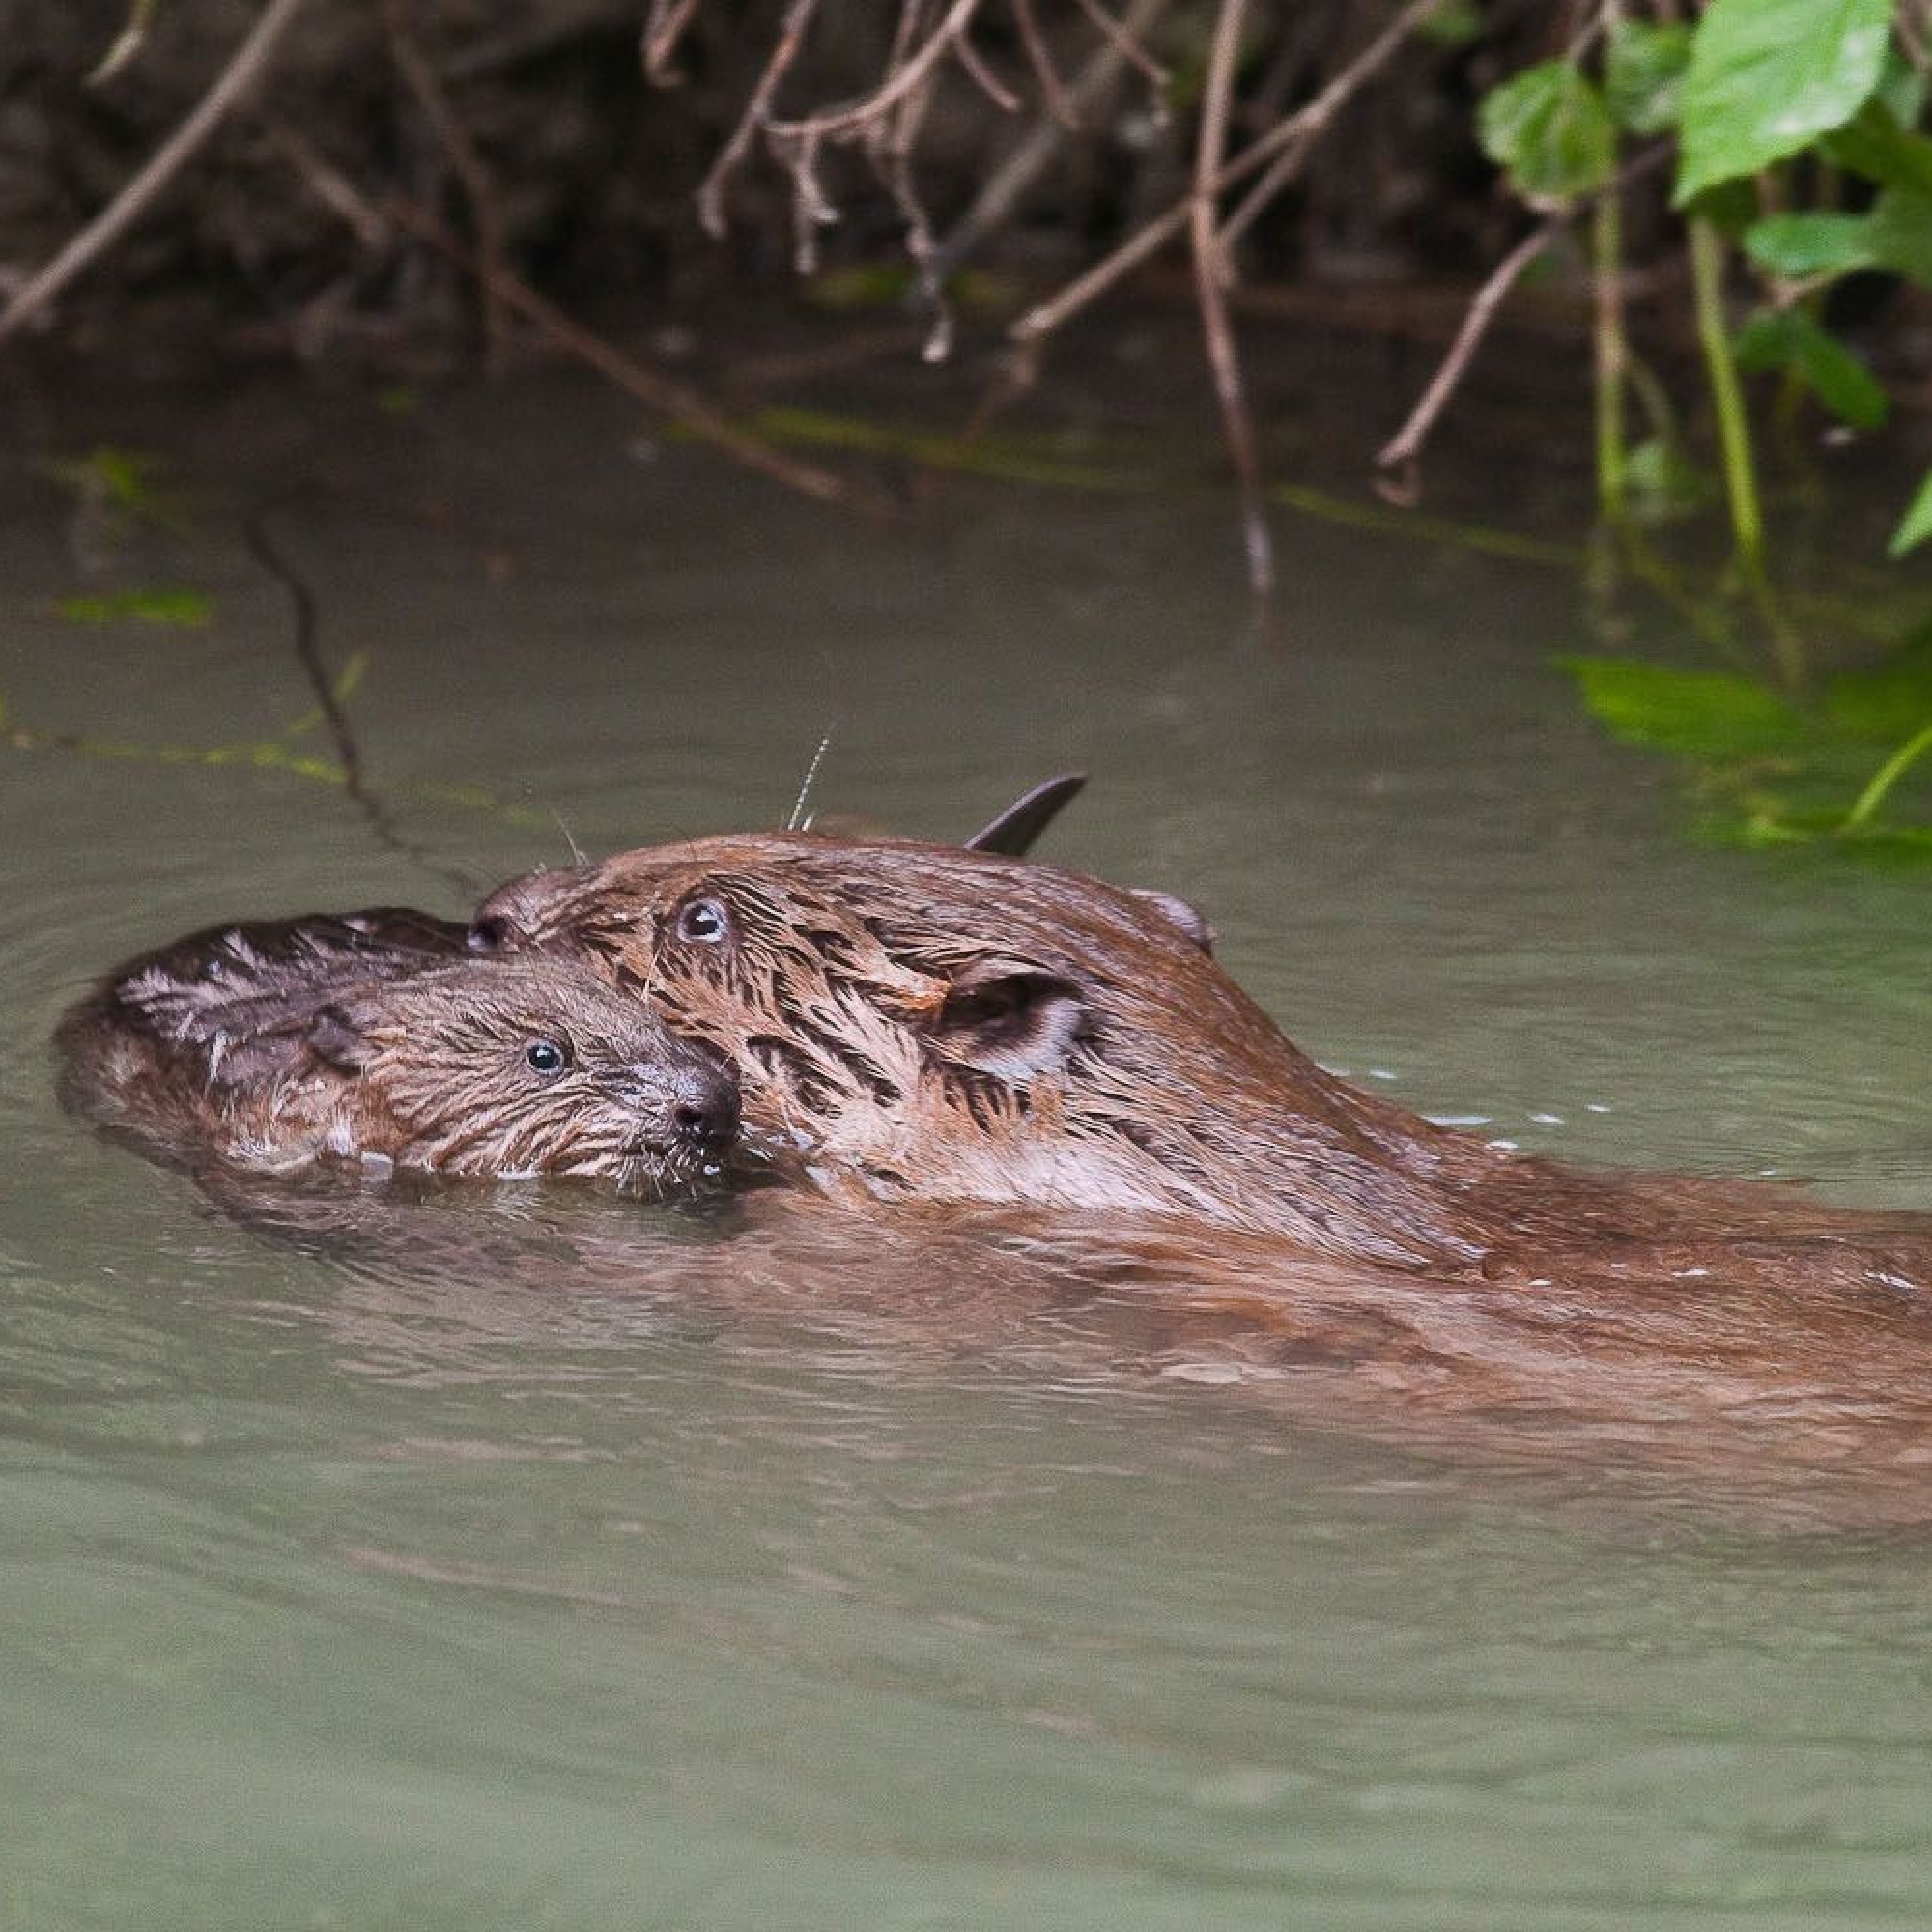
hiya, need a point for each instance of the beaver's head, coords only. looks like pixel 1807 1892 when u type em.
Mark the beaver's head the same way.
pixel 525 1066
pixel 953 1024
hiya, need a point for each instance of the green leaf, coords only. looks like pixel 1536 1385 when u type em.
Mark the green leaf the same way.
pixel 1787 338
pixel 1916 526
pixel 1885 703
pixel 1664 483
pixel 1796 246
pixel 1711 714
pixel 1643 75
pixel 176 608
pixel 1901 89
pixel 1768 76
pixel 1901 229
pixel 1550 132
pixel 1877 145
pixel 1453 25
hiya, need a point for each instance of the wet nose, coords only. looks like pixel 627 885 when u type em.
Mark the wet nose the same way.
pixel 705 1108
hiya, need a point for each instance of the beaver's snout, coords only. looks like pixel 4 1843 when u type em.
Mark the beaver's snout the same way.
pixel 694 1114
pixel 706 1112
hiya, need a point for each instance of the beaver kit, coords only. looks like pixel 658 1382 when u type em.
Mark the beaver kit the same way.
pixel 927 1023
pixel 374 1037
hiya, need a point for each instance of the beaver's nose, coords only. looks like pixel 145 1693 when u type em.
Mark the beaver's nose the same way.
pixel 704 1109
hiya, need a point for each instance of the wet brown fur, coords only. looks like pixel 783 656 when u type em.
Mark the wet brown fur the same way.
pixel 273 1045
pixel 921 1022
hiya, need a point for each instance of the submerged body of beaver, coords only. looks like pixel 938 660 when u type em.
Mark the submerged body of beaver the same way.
pixel 374 1035
pixel 919 1022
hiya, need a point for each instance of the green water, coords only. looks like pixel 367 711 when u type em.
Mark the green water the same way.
pixel 340 1589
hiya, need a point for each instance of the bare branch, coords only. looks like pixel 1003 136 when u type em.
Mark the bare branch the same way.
pixel 663 28
pixel 983 77
pixel 899 81
pixel 1124 39
pixel 167 160
pixel 461 151
pixel 1401 449
pixel 327 697
pixel 1045 139
pixel 1052 91
pixel 1210 283
pixel 689 410
pixel 756 114
pixel 1048 316
pixel 1400 452
pixel 328 184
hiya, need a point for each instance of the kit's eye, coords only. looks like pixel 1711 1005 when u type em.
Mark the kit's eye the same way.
pixel 548 1056
pixel 705 921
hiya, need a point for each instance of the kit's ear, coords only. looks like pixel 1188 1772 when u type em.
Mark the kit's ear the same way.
pixel 1010 1019
pixel 1178 912
pixel 336 1040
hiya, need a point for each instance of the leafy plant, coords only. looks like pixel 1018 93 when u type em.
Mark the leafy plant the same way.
pixel 1846 767
pixel 1796 132
pixel 1793 128
pixel 173 607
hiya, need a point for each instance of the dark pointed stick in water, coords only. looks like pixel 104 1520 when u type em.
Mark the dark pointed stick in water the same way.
pixel 263 548
pixel 1014 832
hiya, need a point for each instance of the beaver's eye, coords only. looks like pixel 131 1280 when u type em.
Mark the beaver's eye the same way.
pixel 547 1056
pixel 704 921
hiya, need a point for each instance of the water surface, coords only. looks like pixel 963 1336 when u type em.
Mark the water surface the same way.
pixel 488 1589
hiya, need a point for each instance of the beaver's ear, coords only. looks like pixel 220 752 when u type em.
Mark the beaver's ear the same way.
pixel 336 1040
pixel 1010 1019
pixel 1186 919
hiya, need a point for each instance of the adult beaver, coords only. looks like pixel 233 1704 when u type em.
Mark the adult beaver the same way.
pixel 921 1021
pixel 373 1036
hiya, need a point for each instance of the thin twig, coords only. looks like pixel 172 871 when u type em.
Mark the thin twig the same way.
pixel 1045 317
pixel 1210 284
pixel 454 138
pixel 1052 89
pixel 1125 39
pixel 663 28
pixel 328 184
pixel 1024 165
pixel 756 114
pixel 834 121
pixel 983 76
pixel 658 392
pixel 308 654
pixel 1401 450
pixel 243 69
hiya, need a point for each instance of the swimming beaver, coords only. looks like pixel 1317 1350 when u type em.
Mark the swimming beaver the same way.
pixel 932 1023
pixel 371 1034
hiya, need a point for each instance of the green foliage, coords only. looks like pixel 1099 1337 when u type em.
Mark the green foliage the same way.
pixel 1788 339
pixel 1796 247
pixel 1768 770
pixel 1798 140
pixel 1548 129
pixel 1894 234
pixel 1715 716
pixel 1766 77
pixel 1916 526
pixel 1643 73
pixel 128 483
pixel 1454 24
pixel 1877 145
pixel 168 604
pixel 1662 483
